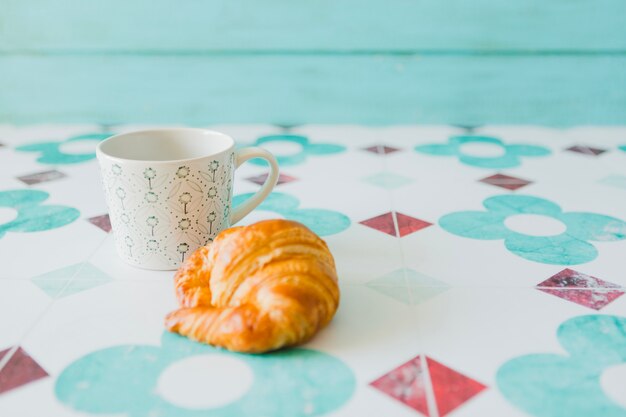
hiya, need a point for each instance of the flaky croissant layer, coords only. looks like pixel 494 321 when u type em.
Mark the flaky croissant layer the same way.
pixel 256 288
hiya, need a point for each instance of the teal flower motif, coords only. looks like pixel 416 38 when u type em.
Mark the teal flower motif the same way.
pixel 322 222
pixel 557 385
pixel 122 380
pixel 511 154
pixel 51 153
pixel 32 215
pixel 568 248
pixel 306 148
pixel 622 148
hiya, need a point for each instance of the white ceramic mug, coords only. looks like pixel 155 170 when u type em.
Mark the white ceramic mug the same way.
pixel 169 191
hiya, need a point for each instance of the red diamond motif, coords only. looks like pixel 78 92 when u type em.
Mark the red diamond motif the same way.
pixel 506 181
pixel 103 222
pixel 581 289
pixel 408 384
pixel 587 150
pixel 282 179
pixel 39 177
pixel 386 223
pixel 381 149
pixel 451 388
pixel 20 370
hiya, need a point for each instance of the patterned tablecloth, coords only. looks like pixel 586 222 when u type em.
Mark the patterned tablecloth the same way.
pixel 481 270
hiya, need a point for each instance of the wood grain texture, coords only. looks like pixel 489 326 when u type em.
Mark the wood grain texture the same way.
pixel 315 25
pixel 557 62
pixel 199 90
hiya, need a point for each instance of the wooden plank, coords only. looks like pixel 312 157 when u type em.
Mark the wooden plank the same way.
pixel 313 89
pixel 317 25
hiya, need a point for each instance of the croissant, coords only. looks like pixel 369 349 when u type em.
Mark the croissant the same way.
pixel 256 288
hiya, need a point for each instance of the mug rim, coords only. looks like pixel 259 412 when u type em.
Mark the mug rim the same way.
pixel 100 154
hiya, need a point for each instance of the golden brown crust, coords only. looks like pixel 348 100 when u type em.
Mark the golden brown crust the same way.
pixel 257 288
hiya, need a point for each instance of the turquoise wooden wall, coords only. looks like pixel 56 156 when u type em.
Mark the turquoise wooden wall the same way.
pixel 556 62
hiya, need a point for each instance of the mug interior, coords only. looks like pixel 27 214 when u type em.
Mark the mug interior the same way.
pixel 165 144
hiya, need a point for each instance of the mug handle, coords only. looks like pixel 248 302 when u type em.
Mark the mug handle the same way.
pixel 241 156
